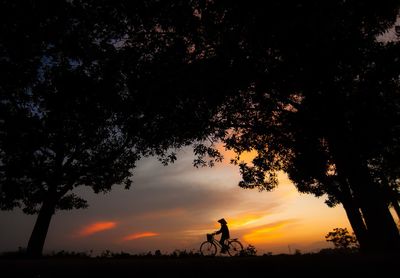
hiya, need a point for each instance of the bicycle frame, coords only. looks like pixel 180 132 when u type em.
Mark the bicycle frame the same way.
pixel 216 242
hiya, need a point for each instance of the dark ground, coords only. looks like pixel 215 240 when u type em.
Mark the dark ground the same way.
pixel 313 265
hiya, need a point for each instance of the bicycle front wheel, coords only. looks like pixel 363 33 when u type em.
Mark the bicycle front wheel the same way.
pixel 235 248
pixel 208 249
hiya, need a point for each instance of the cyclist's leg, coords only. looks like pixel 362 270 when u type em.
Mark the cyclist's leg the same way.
pixel 222 242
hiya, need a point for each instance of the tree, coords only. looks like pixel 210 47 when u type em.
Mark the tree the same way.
pixel 341 238
pixel 59 126
pixel 300 99
pixel 306 85
pixel 80 101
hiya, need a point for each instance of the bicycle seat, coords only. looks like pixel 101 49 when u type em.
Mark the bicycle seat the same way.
pixel 233 239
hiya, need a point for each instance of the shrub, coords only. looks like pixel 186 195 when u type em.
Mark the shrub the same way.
pixel 183 253
pixel 341 238
pixel 69 254
pixel 250 250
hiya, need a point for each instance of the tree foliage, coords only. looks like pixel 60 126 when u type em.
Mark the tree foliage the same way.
pixel 89 87
pixel 321 103
pixel 341 238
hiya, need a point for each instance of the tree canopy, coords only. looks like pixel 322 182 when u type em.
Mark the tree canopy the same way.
pixel 89 87
pixel 85 94
pixel 321 104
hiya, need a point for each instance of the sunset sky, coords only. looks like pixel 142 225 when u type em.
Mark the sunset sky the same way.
pixel 174 207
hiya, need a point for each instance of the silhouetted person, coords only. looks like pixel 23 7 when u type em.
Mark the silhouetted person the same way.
pixel 224 231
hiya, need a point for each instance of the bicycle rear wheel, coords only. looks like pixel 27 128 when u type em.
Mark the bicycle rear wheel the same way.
pixel 235 248
pixel 208 249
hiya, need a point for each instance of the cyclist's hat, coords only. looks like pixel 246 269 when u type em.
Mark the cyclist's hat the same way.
pixel 222 221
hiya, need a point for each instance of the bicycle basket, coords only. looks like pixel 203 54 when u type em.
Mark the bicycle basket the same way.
pixel 209 237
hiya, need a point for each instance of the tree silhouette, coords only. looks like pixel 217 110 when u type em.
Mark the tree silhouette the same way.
pixel 83 96
pixel 91 86
pixel 59 126
pixel 341 238
pixel 321 103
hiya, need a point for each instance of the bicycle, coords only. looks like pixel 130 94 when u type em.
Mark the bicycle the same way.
pixel 209 247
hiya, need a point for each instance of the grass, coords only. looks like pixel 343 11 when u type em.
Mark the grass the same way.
pixel 187 264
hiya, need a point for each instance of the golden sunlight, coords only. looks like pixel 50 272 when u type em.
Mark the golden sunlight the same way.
pixel 245 219
pixel 265 233
pixel 246 157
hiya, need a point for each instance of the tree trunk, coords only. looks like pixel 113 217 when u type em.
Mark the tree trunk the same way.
pixel 39 233
pixel 379 221
pixel 396 206
pixel 392 197
pixel 382 232
pixel 358 226
pixel 355 218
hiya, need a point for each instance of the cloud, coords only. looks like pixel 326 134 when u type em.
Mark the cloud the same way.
pixel 139 235
pixel 264 233
pixel 96 227
pixel 246 218
pixel 167 213
pixel 180 203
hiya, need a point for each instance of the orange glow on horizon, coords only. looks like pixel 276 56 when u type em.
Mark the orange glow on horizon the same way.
pixel 139 235
pixel 97 227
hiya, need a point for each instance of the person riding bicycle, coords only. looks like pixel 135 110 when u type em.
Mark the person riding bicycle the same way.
pixel 224 231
